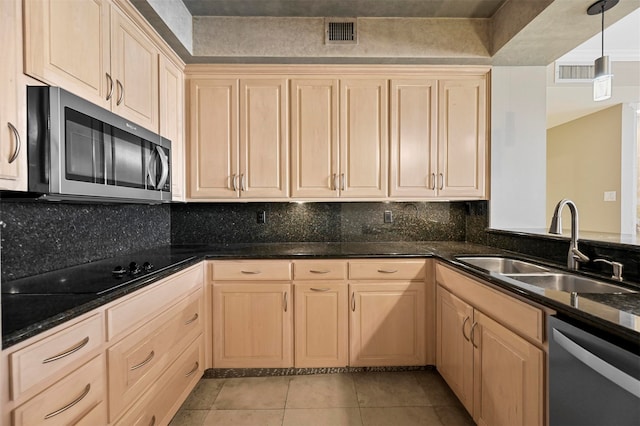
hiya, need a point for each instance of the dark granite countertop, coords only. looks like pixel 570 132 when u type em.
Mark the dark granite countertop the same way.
pixel 26 315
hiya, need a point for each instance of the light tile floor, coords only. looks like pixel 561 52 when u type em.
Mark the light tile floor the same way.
pixel 405 398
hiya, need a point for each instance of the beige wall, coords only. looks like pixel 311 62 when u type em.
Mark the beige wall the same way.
pixel 584 161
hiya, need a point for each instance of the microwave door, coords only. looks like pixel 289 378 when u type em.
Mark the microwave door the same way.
pixel 84 148
pixel 129 156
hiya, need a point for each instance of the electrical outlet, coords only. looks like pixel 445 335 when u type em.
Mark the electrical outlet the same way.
pixel 261 216
pixel 388 216
pixel 610 195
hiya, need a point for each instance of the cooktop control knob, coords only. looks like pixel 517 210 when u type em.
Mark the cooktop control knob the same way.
pixel 134 268
pixel 119 271
pixel 147 266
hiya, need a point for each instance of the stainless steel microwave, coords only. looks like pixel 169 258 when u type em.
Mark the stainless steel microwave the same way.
pixel 79 151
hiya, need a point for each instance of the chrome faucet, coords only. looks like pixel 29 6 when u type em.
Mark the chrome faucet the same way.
pixel 575 256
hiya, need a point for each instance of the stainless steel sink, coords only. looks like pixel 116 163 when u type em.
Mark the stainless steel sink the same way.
pixel 502 265
pixel 568 283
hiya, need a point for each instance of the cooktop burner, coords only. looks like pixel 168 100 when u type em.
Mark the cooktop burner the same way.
pixel 98 277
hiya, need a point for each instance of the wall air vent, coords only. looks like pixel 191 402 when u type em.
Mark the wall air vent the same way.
pixel 573 73
pixel 340 31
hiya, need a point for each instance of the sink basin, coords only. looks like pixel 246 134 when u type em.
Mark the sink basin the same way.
pixel 568 283
pixel 502 265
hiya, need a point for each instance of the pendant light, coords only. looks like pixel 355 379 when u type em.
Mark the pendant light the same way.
pixel 602 67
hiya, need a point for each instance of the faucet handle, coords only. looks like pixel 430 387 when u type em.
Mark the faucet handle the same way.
pixel 617 268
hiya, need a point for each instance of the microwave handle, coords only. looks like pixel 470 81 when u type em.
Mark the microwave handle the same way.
pixel 164 160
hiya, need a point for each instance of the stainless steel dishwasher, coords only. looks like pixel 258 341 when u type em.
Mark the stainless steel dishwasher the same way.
pixel 591 381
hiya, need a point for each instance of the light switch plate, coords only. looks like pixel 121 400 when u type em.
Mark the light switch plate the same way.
pixel 388 216
pixel 610 195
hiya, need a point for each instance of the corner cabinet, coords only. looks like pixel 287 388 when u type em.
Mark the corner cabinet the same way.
pixel 119 66
pixel 238 139
pixel 489 351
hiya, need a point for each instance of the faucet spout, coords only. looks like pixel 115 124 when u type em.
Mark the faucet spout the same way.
pixel 575 255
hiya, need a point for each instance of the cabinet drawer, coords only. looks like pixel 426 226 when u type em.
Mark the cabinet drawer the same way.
pixel 387 270
pixel 164 398
pixel 48 357
pixel 518 316
pixel 139 309
pixel 319 270
pixel 252 271
pixel 67 401
pixel 138 360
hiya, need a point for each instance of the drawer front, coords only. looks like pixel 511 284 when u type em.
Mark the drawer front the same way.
pixel 69 400
pixel 48 357
pixel 319 270
pixel 160 403
pixel 387 270
pixel 264 270
pixel 140 308
pixel 524 319
pixel 138 360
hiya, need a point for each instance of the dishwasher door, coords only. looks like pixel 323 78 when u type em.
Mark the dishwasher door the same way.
pixel 591 381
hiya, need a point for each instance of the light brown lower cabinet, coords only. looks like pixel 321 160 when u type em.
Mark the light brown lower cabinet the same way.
pixel 496 373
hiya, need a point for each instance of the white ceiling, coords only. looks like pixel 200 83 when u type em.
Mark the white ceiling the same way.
pixel 568 101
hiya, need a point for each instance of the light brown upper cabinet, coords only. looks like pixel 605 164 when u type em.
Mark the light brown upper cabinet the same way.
pixel 92 49
pixel 439 138
pixel 13 150
pixel 339 138
pixel 462 137
pixel 172 121
pixel 238 139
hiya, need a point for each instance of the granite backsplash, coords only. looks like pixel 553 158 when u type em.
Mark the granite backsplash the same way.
pixel 39 237
pixel 319 222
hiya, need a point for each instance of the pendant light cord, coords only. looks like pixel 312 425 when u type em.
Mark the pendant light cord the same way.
pixel 604 3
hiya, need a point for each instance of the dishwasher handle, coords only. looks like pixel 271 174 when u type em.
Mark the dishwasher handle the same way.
pixel 608 371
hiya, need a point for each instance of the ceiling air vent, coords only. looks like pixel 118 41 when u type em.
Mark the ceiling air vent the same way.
pixel 340 31
pixel 574 73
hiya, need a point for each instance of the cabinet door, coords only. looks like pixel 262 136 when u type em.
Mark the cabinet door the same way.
pixel 364 114
pixel 462 138
pixel 264 166
pixel 314 138
pixel 387 323
pixel 414 137
pixel 454 351
pixel 321 324
pixel 508 377
pixel 13 158
pixel 172 121
pixel 252 325
pixel 135 72
pixel 67 45
pixel 213 138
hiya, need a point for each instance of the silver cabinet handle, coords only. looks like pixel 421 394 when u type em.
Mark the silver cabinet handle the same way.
pixel 242 181
pixel 353 301
pixel 463 324
pixel 195 317
pixel 121 92
pixel 195 368
pixel 441 175
pixel 110 81
pixel 143 363
pixel 387 271
pixel 71 404
pixel 67 352
pixel 320 289
pixel 286 302
pixel 433 179
pixel 334 182
pixel 234 186
pixel 608 371
pixel 343 182
pixel 316 271
pixel 251 272
pixel 471 334
pixel 18 142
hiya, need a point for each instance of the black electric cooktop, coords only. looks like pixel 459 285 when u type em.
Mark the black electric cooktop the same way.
pixel 99 277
